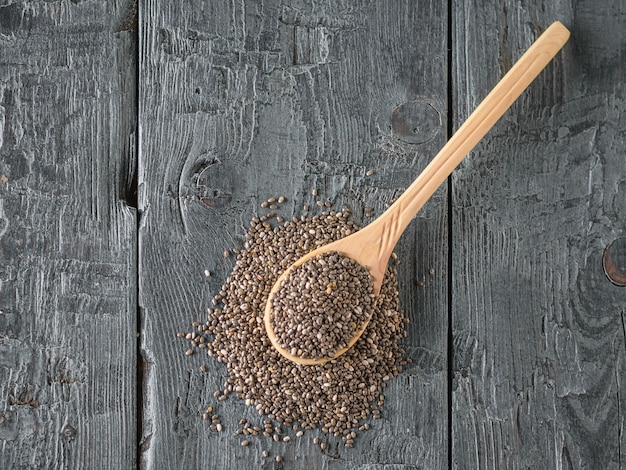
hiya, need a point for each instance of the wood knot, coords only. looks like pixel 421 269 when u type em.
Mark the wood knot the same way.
pixel 68 432
pixel 415 122
pixel 213 184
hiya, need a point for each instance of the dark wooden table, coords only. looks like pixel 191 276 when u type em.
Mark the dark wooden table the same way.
pixel 139 138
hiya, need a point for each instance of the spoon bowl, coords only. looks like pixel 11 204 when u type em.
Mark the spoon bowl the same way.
pixel 372 246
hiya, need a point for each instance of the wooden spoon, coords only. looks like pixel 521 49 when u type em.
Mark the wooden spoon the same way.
pixel 372 246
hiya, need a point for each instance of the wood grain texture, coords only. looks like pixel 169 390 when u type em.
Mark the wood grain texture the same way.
pixel 539 337
pixel 67 241
pixel 241 101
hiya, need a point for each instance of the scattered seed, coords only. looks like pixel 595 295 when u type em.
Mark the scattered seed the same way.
pixel 279 458
pixel 207 273
pixel 203 368
pixel 431 271
pixel 266 453
pixel 281 199
pixel 326 397
pixel 180 335
pixel 314 192
pixel 299 433
pixel 245 443
pixel 226 254
pixel 370 173
pixel 189 352
pixel 320 203
pixel 264 204
pixel 286 439
pixel 218 427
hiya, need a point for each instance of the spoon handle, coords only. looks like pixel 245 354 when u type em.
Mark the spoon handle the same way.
pixel 525 70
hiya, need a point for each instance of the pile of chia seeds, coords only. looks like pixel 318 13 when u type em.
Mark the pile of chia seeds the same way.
pixel 338 397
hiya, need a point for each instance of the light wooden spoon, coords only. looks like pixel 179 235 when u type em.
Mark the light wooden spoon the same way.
pixel 372 246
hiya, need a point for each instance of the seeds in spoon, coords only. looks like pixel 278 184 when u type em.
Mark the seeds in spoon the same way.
pixel 321 305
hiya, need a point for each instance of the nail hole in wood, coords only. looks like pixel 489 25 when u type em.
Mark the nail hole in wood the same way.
pixel 614 261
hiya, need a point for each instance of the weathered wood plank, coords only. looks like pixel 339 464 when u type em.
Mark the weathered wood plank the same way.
pixel 538 328
pixel 244 100
pixel 67 242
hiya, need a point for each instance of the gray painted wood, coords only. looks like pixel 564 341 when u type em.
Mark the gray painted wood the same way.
pixel 538 329
pixel 241 101
pixel 67 241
